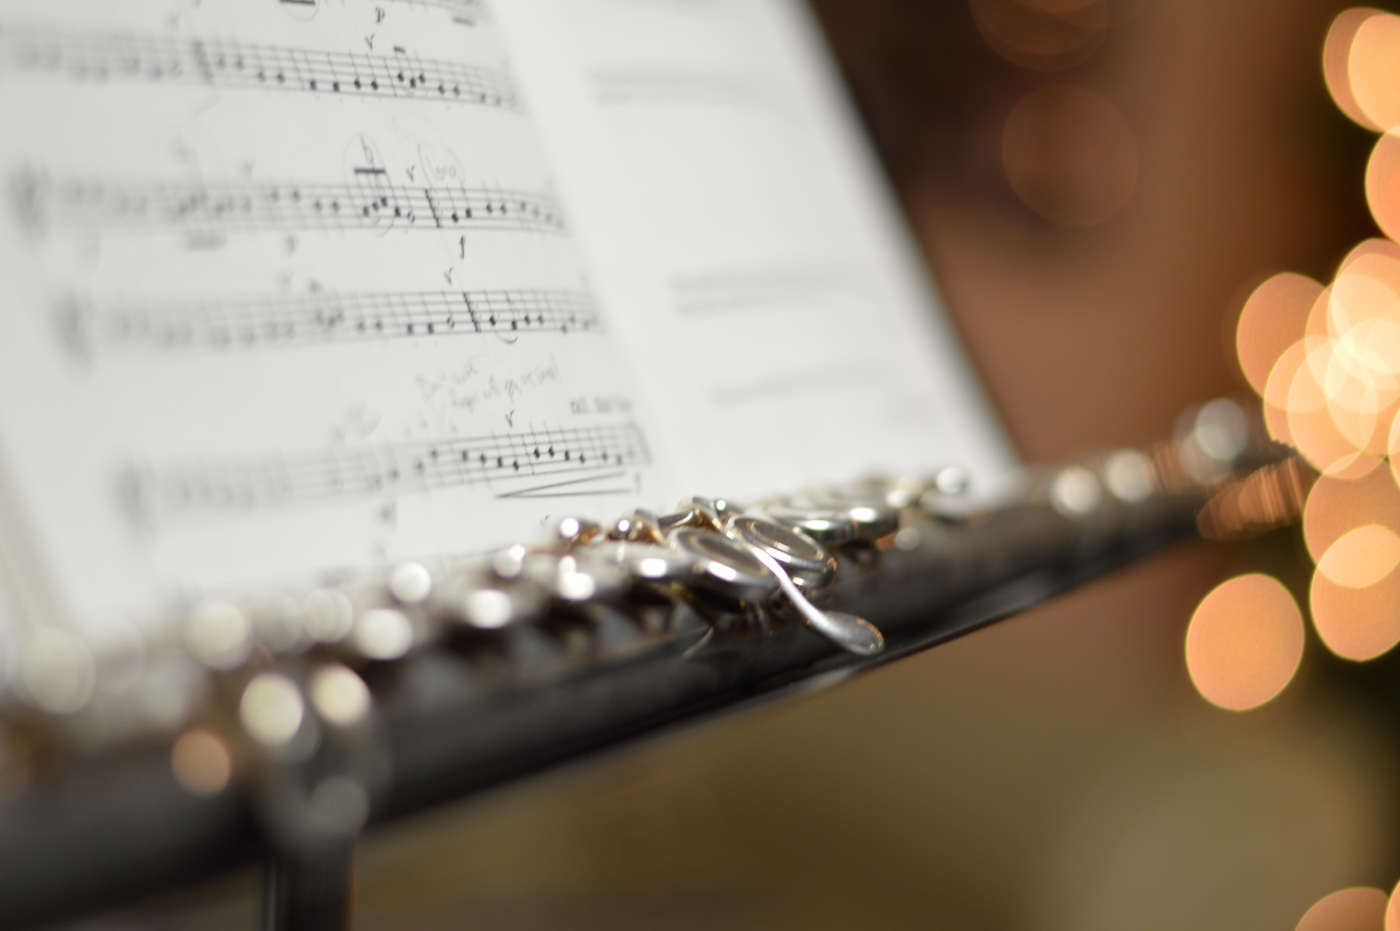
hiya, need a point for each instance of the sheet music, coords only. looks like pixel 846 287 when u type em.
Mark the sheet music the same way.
pixel 295 286
pixel 287 287
pixel 741 239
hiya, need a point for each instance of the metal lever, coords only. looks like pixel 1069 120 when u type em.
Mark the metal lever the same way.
pixel 853 634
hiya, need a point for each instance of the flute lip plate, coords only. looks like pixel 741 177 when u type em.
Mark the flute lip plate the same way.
pixel 726 569
pixel 805 560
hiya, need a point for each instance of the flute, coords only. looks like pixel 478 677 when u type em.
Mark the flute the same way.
pixel 282 728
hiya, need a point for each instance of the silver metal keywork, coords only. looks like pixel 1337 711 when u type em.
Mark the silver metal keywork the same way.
pixel 853 634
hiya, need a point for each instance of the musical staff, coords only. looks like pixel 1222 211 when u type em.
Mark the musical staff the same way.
pixel 291 320
pixel 251 207
pixel 511 465
pixel 466 12
pixel 237 65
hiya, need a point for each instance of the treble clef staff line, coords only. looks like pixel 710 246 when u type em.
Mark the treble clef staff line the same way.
pixel 129 57
pixel 248 323
pixel 250 207
pixel 364 472
pixel 466 12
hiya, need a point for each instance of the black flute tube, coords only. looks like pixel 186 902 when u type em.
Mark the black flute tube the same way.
pixel 108 830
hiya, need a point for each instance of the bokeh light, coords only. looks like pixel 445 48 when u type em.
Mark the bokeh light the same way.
pixel 201 763
pixel 1360 908
pixel 1070 155
pixel 1325 427
pixel 1363 319
pixel 1325 361
pixel 1278 386
pixel 1300 412
pixel 1042 35
pixel 1245 642
pixel 1336 506
pixel 1356 623
pixel 1383 185
pixel 1369 247
pixel 340 696
pixel 1336 61
pixel 1373 67
pixel 1393 448
pixel 1362 557
pixel 1367 287
pixel 271 709
pixel 1274 318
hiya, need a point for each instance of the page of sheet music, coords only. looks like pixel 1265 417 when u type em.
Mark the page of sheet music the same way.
pixel 756 267
pixel 284 285
pixel 298 285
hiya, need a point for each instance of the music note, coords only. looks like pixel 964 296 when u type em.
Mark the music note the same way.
pixel 159 59
pixel 512 466
pixel 249 207
pixel 273 321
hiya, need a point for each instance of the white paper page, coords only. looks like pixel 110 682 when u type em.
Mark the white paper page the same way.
pixel 772 303
pixel 284 285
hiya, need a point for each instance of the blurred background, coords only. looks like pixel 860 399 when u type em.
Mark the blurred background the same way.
pixel 1098 185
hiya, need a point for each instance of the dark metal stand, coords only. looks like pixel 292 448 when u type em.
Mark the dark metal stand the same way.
pixel 309 891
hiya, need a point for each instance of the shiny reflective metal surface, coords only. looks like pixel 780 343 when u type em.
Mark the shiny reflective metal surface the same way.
pixel 640 526
pixel 853 634
pixel 868 518
pixel 825 525
pixel 726 571
pixel 647 563
pixel 801 558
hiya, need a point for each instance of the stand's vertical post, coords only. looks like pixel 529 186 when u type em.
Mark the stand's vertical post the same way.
pixel 306 891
